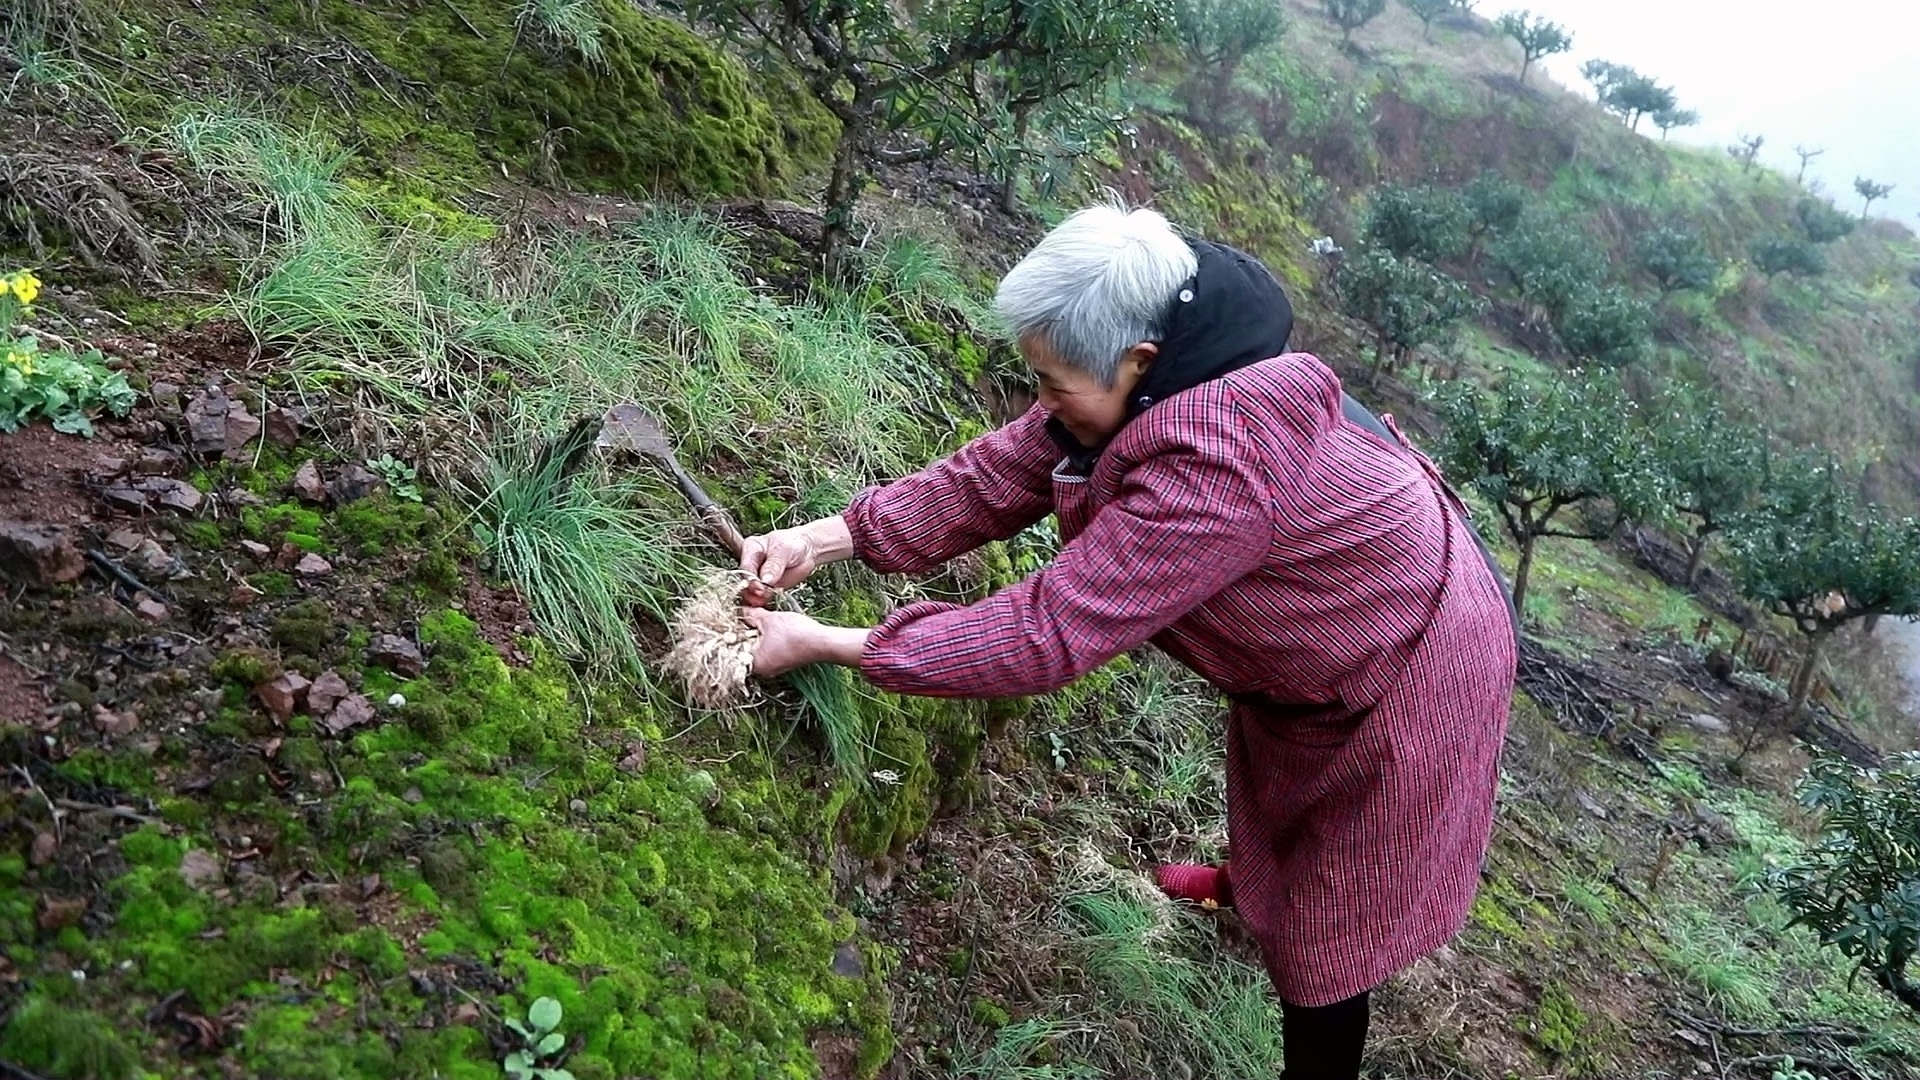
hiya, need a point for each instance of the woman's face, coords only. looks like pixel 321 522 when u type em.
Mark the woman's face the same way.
pixel 1091 412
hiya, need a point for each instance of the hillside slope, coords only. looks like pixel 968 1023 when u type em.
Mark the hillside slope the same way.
pixel 332 700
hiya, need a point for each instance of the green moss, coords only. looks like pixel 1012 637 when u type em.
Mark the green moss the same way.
pixel 305 627
pixel 244 666
pixel 272 584
pixel 65 1043
pixel 662 110
pixel 273 523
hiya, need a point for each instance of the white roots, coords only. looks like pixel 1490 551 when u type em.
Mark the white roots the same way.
pixel 712 646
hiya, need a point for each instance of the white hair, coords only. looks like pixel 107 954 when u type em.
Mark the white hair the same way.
pixel 1096 285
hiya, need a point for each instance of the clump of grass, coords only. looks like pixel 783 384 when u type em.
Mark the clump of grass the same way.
pixel 583 555
pixel 573 24
pixel 1191 1002
pixel 1705 949
pixel 1011 1054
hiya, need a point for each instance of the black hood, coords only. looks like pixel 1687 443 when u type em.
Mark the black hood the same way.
pixel 1230 314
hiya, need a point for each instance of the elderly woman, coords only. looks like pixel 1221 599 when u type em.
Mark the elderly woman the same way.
pixel 1223 499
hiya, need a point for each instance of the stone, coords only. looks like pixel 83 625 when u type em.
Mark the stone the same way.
pixel 165 397
pixel 201 869
pixel 352 711
pixel 1707 723
pixel 156 461
pixel 150 609
pixel 283 694
pixel 125 497
pixel 169 492
pixel 577 806
pixel 125 539
pixel 255 548
pixel 285 424
pixel 328 690
pixel 207 421
pixel 396 654
pixel 242 426
pixel 354 482
pixel 413 796
pixel 847 961
pixel 45 846
pixel 312 565
pixel 116 724
pixel 149 557
pixel 307 483
pixel 635 760
pixel 39 554
pixel 60 914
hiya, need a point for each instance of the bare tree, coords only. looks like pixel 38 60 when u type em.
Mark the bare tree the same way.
pixel 1806 155
pixel 1747 151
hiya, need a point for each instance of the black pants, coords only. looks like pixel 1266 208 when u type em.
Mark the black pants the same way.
pixel 1324 1043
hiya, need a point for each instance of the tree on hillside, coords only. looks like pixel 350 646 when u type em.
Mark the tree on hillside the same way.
pixel 881 69
pixel 1494 205
pixel 1405 302
pixel 1714 468
pixel 1216 37
pixel 1427 11
pixel 1351 15
pixel 1604 325
pixel 1815 555
pixel 1747 150
pixel 1538 448
pixel 1537 37
pixel 1621 90
pixel 1858 888
pixel 1778 255
pixel 1549 261
pixel 1668 119
pixel 1675 258
pixel 1426 223
pixel 1805 154
pixel 1870 191
pixel 1822 221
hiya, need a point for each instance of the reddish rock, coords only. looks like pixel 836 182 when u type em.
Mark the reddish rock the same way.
pixel 307 483
pixel 39 554
pixel 312 565
pixel 60 914
pixel 207 421
pixel 327 691
pixel 255 548
pixel 169 492
pixel 352 711
pixel 284 425
pixel 396 654
pixel 283 694
pixel 45 847
pixel 150 609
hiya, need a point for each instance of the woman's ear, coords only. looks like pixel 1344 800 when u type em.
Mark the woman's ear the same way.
pixel 1140 358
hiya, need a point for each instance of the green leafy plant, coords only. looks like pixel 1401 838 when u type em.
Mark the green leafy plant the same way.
pixel 1859 887
pixel 540 1041
pixel 1538 448
pixel 1407 303
pixel 1676 259
pixel 1714 466
pixel 401 477
pixel 1812 553
pixel 1425 223
pixel 60 385
pixel 1605 326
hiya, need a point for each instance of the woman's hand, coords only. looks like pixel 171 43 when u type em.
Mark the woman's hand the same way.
pixel 786 557
pixel 789 640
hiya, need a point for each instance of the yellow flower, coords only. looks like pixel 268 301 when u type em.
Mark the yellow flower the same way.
pixel 23 361
pixel 5 285
pixel 26 286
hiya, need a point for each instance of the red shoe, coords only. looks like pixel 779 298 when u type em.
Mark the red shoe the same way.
pixel 1207 886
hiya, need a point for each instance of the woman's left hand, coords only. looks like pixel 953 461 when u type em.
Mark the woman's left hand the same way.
pixel 789 640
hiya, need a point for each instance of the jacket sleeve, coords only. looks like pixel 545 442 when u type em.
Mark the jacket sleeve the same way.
pixel 1191 518
pixel 989 489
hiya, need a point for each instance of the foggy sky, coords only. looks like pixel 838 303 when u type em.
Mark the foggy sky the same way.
pixel 1838 74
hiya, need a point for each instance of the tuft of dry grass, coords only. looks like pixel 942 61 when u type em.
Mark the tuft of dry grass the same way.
pixel 712 651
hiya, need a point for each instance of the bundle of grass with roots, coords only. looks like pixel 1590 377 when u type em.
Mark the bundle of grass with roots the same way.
pixel 712 651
